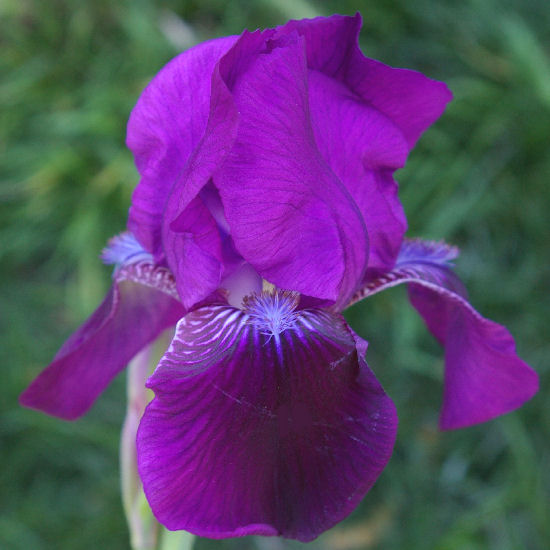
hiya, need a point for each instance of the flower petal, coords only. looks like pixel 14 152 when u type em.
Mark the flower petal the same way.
pixel 363 147
pixel 366 117
pixel 138 307
pixel 193 251
pixel 165 127
pixel 220 133
pixel 257 433
pixel 193 189
pixel 289 215
pixel 484 377
pixel 408 98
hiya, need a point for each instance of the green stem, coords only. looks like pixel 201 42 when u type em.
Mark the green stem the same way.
pixel 176 540
pixel 141 523
pixel 145 532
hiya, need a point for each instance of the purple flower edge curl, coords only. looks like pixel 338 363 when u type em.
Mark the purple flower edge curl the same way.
pixel 141 303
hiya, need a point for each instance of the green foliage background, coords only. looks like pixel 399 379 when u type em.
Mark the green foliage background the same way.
pixel 70 74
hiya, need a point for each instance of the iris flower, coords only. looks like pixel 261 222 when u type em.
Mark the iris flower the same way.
pixel 266 206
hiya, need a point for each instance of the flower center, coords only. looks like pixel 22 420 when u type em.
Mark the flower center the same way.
pixel 272 311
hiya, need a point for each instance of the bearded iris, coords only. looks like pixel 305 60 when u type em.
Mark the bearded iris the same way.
pixel 266 206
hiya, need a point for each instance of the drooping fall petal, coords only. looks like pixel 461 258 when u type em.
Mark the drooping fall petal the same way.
pixel 484 377
pixel 141 303
pixel 266 421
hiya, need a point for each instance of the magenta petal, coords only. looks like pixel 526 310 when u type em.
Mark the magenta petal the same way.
pixel 408 98
pixel 130 316
pixel 193 252
pixel 366 117
pixel 220 132
pixel 257 433
pixel 484 377
pixel 192 195
pixel 363 147
pixel 165 127
pixel 219 136
pixel 289 215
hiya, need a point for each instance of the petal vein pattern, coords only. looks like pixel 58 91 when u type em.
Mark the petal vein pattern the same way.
pixel 253 434
pixel 147 274
pixel 422 262
pixel 164 129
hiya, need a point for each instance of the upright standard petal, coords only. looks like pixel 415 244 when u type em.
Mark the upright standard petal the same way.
pixel 265 421
pixel 408 98
pixel 289 215
pixel 484 377
pixel 139 306
pixel 366 117
pixel 165 127
pixel 221 130
pixel 363 147
pixel 187 226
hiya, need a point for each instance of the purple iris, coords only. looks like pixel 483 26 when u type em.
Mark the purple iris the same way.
pixel 266 206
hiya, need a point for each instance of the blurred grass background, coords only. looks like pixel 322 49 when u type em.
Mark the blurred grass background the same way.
pixel 70 74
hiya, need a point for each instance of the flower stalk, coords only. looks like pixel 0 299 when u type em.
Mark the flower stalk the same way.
pixel 176 540
pixel 143 527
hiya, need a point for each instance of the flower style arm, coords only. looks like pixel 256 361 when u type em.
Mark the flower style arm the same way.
pixel 484 377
